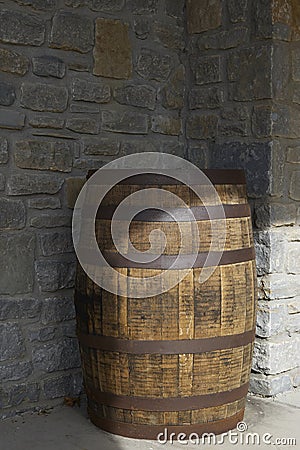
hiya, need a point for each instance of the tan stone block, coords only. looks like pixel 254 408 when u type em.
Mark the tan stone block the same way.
pixel 167 125
pixel 203 15
pixel 112 51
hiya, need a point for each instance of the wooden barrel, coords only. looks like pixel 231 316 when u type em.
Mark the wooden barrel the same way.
pixel 180 360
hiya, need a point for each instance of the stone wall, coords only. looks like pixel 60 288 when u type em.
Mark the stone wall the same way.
pixel 82 82
pixel 245 112
pixel 86 81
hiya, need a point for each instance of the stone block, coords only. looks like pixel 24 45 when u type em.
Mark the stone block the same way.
pixel 286 121
pixel 50 221
pixel 296 93
pixel 42 334
pixel 23 392
pixel 250 69
pixel 48 66
pixel 83 125
pixel 204 126
pixel 60 355
pixel 166 125
pixel 16 264
pixel 295 377
pixel 277 185
pixel 235 121
pixel 262 20
pixel 46 122
pixel 2 182
pixel 82 107
pixel 253 157
pixel 58 309
pixel 153 65
pixel 275 214
pixel 169 35
pixel 126 122
pixel 44 203
pixel 277 354
pixel 142 27
pixel 33 184
pixel 293 305
pixel 55 275
pixel 10 309
pixel 13 120
pixel 294 191
pixel 227 128
pixel 143 6
pixel 3 150
pixel 206 69
pixel 63 386
pixel 236 112
pixel 279 286
pixel 173 92
pixel 44 97
pixel 142 96
pixel 262 251
pixel 237 10
pixel 278 250
pixel 175 8
pixel 271 318
pixel 7 94
pixel 44 155
pixel 15 308
pixel 296 64
pixel 18 27
pixel 224 40
pixel 112 51
pixel 198 154
pixel 12 341
pixel 281 72
pixel 56 243
pixel 203 16
pixel 29 308
pixel 89 91
pixel 293 323
pixel 15 371
pixel 137 146
pixel 102 146
pixel 44 5
pixel 76 3
pixel 293 155
pixel 294 257
pixel 262 121
pixel 13 214
pixel 109 6
pixel 13 62
pixel 68 328
pixel 72 31
pixel 73 187
pixel 204 97
pixel 172 146
pixel 269 385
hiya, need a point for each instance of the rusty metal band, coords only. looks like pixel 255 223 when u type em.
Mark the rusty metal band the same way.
pixel 173 262
pixel 167 347
pixel 170 404
pixel 151 432
pixel 216 176
pixel 182 214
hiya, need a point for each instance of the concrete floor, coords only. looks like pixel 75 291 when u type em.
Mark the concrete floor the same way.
pixel 67 428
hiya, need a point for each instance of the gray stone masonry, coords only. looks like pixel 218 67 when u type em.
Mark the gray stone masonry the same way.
pixel 85 81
